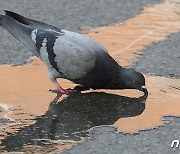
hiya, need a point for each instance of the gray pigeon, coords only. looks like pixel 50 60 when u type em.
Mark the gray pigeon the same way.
pixel 71 56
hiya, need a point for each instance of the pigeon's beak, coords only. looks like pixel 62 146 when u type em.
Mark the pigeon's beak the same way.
pixel 144 89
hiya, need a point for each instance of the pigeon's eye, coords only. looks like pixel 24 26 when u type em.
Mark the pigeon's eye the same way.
pixel 136 81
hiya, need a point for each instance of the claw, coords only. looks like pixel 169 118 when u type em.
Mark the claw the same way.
pixel 54 91
pixel 63 91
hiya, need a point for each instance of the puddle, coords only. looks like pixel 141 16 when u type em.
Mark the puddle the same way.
pixel 24 90
pixel 163 100
pixel 73 116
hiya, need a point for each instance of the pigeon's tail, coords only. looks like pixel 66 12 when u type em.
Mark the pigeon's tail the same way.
pixel 33 23
pixel 20 31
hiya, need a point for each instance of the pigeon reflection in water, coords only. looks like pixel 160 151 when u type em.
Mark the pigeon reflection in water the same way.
pixel 71 118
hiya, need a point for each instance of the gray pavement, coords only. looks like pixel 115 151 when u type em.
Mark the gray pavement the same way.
pixel 161 58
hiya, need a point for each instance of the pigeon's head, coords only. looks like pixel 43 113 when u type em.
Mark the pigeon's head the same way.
pixel 135 80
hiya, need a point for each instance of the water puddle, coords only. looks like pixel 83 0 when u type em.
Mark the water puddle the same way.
pixel 163 100
pixel 71 118
pixel 29 115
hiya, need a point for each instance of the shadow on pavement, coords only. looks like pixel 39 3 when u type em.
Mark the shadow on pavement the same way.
pixel 70 118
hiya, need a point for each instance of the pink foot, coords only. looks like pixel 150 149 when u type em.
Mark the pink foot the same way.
pixel 60 91
pixel 63 91
pixel 66 91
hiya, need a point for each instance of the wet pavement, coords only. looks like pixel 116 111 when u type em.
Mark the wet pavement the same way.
pixel 31 115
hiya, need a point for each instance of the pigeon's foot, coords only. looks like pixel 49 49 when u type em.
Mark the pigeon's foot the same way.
pixel 60 91
pixel 68 91
pixel 63 91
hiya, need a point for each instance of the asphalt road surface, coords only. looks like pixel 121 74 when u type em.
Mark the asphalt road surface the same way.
pixel 161 58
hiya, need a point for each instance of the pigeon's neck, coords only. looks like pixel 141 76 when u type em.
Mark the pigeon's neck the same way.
pixel 117 79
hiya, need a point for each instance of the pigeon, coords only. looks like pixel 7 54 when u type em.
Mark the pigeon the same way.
pixel 71 56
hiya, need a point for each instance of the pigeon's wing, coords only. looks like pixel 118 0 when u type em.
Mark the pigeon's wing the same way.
pixel 71 54
pixel 33 23
pixel 19 31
